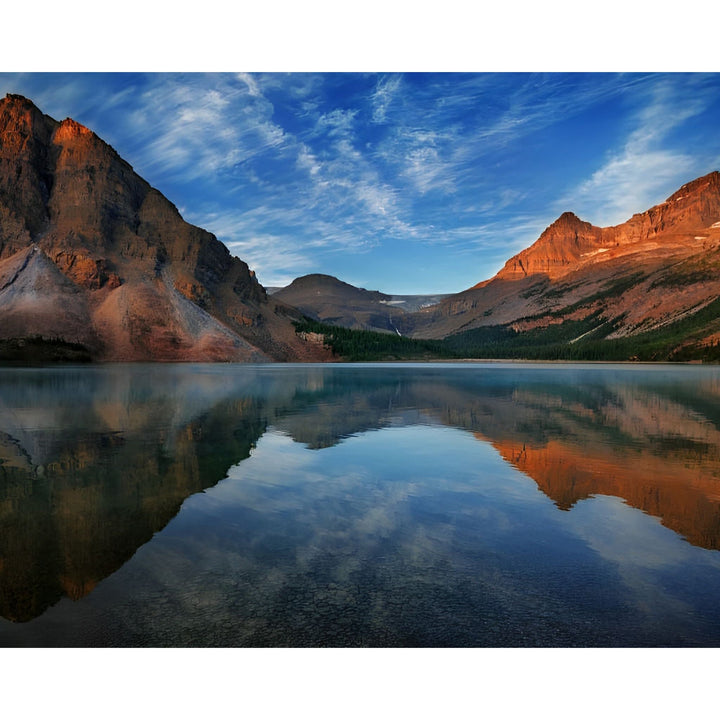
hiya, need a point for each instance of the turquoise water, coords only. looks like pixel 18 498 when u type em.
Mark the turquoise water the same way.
pixel 360 505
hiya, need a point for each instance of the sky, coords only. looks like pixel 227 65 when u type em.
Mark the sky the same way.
pixel 407 152
pixel 404 182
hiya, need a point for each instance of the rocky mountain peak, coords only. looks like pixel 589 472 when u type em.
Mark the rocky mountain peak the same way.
pixel 569 241
pixel 144 284
pixel 705 185
pixel 18 103
pixel 559 246
pixel 568 222
pixel 69 129
pixel 569 218
pixel 20 115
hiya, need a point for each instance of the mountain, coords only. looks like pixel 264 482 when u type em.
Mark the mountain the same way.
pixel 657 271
pixel 92 257
pixel 95 264
pixel 332 301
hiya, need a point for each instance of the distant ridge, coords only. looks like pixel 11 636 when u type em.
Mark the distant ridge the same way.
pixel 327 299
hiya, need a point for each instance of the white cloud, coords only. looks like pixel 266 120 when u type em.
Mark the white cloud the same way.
pixel 418 158
pixel 308 161
pixel 385 92
pixel 645 169
pixel 630 182
pixel 280 244
pixel 275 259
pixel 345 187
pixel 338 122
pixel 251 84
pixel 207 126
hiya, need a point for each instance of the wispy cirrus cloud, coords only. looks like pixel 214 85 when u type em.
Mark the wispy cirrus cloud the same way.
pixel 344 183
pixel 454 126
pixel 251 83
pixel 179 124
pixel 280 243
pixel 421 157
pixel 273 258
pixel 337 122
pixel 206 127
pixel 382 98
pixel 648 166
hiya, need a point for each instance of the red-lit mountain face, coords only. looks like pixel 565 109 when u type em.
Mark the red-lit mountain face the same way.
pixel 658 267
pixel 91 254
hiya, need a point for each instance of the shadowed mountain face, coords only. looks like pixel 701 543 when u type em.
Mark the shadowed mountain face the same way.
pixel 331 301
pixel 94 462
pixel 91 254
pixel 658 267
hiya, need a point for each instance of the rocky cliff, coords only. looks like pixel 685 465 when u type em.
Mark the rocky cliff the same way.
pixel 570 243
pixel 91 254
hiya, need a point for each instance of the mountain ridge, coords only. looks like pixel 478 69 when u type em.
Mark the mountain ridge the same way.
pixel 654 268
pixel 328 299
pixel 91 254
pixel 564 243
pixel 153 287
pixel 648 287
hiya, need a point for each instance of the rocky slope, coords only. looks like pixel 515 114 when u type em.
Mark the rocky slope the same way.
pixel 91 254
pixel 332 301
pixel 656 268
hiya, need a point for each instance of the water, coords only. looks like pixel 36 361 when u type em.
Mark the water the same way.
pixel 360 505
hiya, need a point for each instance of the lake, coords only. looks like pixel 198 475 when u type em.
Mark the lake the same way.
pixel 383 505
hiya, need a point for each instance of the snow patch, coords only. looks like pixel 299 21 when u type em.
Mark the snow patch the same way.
pixel 715 225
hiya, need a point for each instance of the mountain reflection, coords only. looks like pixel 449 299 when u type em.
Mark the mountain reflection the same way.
pixel 94 461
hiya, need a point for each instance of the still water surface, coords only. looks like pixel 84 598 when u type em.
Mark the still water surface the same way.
pixel 351 505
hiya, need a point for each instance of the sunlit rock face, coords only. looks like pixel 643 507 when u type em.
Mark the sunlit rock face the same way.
pixel 129 278
pixel 670 227
pixel 659 266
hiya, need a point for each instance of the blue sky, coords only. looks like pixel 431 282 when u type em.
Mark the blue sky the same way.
pixel 401 182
